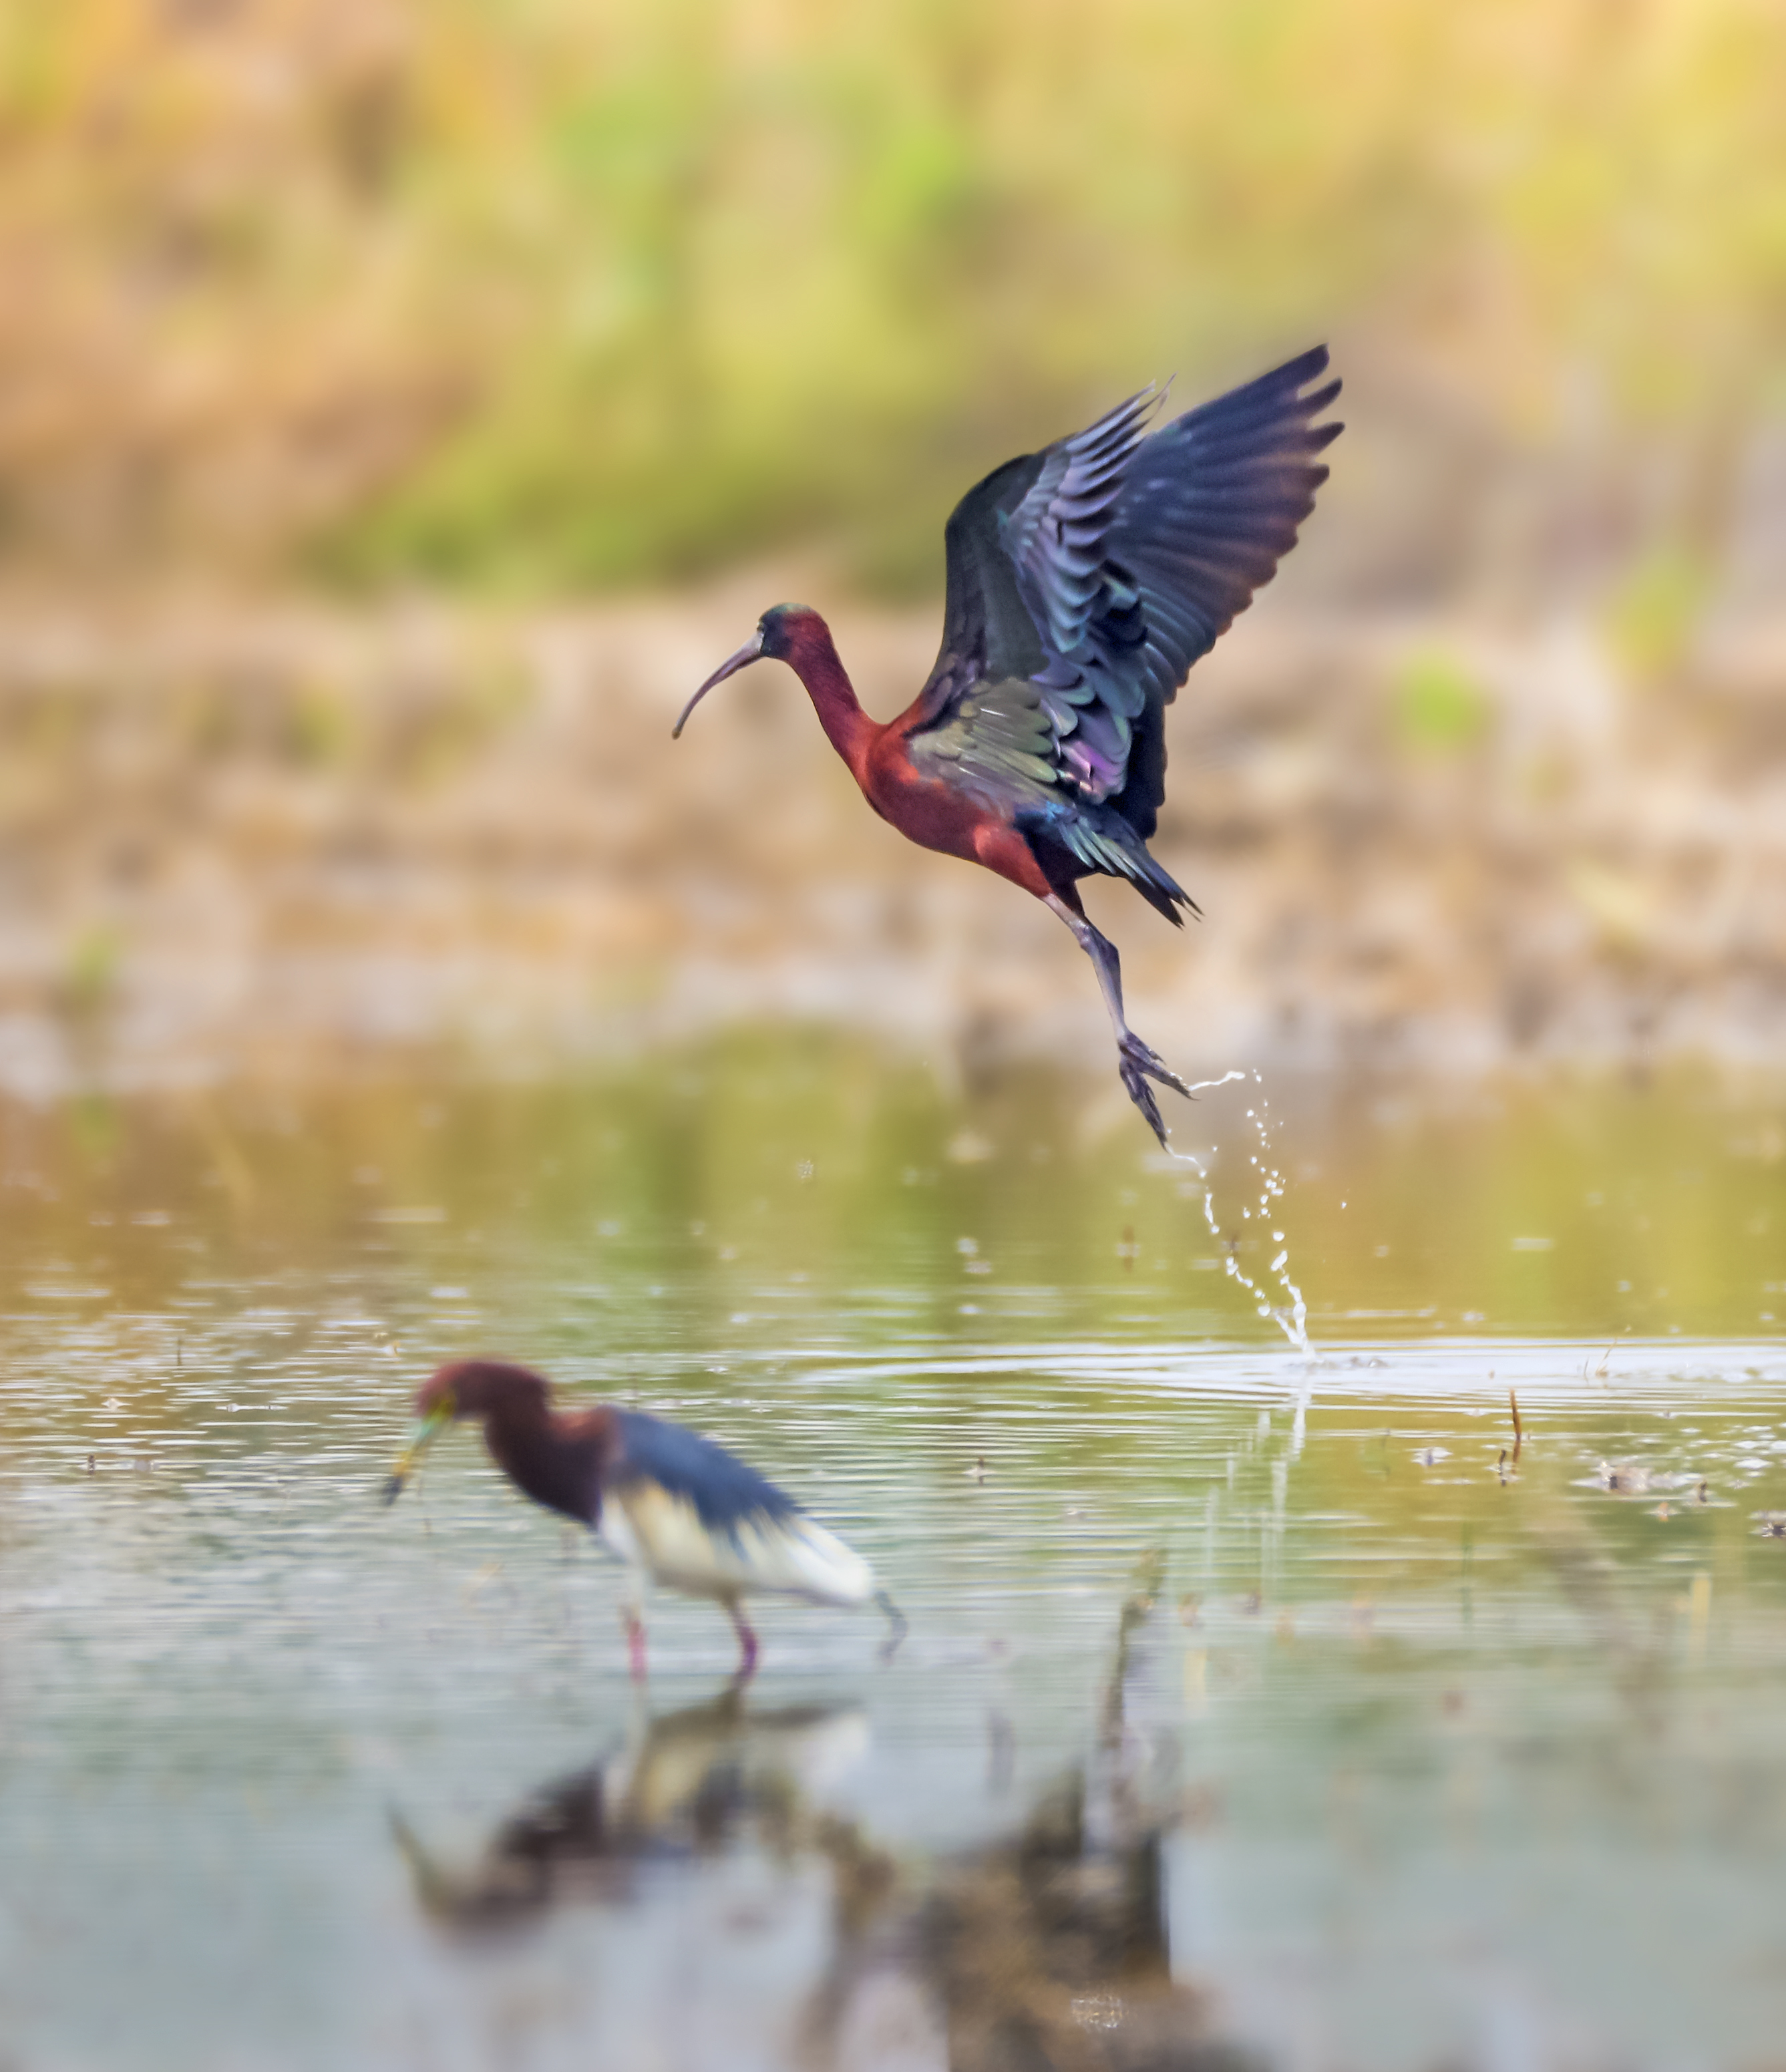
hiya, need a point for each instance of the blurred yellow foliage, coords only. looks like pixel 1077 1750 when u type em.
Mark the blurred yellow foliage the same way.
pixel 1622 908
pixel 1652 616
pixel 562 290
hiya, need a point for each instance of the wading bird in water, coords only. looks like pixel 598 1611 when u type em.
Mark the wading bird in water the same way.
pixel 675 1507
pixel 1083 581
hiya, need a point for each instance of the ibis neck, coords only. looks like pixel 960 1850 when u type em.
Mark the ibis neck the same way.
pixel 848 728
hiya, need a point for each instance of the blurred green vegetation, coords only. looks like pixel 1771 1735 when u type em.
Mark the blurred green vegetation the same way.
pixel 1439 706
pixel 723 1192
pixel 543 292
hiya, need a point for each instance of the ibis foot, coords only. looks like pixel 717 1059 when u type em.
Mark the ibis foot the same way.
pixel 1134 1060
pixel 1138 1064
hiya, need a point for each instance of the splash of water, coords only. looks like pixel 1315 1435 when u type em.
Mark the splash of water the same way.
pixel 1291 1315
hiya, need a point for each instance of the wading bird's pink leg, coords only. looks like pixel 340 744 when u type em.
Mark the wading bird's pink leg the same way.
pixel 635 1644
pixel 747 1642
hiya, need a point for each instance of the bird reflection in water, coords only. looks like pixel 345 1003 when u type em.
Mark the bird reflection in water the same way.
pixel 1045 1949
pixel 692 1783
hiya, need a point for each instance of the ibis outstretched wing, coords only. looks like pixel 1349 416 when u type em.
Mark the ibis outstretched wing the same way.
pixel 1085 581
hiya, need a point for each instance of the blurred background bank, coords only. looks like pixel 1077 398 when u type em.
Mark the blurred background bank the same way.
pixel 404 403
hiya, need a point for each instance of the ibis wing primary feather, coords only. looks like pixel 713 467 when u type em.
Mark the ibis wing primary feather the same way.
pixel 1056 536
pixel 1212 503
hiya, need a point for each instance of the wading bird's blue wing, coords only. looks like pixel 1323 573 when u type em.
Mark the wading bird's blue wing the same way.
pixel 1085 581
pixel 701 1521
pixel 720 1488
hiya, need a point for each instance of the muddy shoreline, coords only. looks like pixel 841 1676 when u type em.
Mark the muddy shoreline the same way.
pixel 293 840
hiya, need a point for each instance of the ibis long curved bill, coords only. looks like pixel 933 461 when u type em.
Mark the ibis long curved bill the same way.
pixel 751 652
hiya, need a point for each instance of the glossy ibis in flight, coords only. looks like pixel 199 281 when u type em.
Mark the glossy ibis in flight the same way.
pixel 675 1507
pixel 1083 581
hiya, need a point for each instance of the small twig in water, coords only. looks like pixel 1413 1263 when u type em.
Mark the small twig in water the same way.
pixel 1001 1739
pixel 1519 1430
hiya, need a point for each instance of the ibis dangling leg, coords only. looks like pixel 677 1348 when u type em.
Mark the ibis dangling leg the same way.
pixel 1135 1061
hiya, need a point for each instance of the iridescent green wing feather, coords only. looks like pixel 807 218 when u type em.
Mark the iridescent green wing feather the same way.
pixel 996 741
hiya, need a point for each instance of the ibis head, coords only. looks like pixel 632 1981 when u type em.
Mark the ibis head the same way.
pixel 777 639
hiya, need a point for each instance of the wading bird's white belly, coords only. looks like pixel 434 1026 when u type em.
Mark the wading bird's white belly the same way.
pixel 646 1525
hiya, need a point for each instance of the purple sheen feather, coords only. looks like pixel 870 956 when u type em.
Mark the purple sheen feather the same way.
pixel 1105 735
pixel 1093 776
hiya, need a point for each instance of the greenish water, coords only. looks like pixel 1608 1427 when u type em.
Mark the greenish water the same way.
pixel 1455 1758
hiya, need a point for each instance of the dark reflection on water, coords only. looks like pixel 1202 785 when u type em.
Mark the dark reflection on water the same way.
pixel 1424 1755
pixel 683 1786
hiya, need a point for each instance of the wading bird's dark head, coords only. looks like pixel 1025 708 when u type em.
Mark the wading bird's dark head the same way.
pixel 782 633
pixel 473 1388
pixel 461 1389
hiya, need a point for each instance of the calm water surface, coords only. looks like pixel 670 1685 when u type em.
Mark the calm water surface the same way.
pixel 1423 1752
